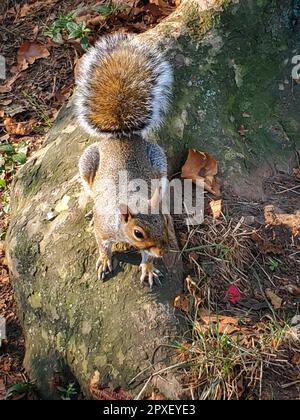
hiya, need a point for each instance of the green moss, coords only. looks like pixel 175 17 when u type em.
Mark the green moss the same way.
pixel 35 300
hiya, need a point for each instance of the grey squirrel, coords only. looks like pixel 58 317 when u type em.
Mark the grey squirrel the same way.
pixel 124 87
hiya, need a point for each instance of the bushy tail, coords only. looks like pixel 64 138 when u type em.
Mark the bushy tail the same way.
pixel 123 86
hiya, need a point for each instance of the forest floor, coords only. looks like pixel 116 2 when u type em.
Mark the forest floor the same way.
pixel 242 289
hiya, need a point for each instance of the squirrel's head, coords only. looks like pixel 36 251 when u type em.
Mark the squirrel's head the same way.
pixel 146 232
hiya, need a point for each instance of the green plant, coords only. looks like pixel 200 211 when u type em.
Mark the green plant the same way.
pixel 79 30
pixel 110 8
pixel 59 25
pixel 10 158
pixel 65 24
pixel 68 392
pixel 273 263
pixel 20 388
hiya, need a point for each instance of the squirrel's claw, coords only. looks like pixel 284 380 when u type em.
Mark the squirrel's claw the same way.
pixel 152 273
pixel 103 266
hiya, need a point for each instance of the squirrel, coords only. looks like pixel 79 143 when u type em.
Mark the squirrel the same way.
pixel 123 92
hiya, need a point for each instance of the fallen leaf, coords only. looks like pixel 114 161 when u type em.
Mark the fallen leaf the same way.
pixel 183 351
pixel 296 172
pixel 5 102
pixel 242 131
pixel 233 293
pixel 19 128
pixel 224 324
pixel 216 208
pixel 31 51
pixel 265 244
pixel 292 289
pixel 275 300
pixel 190 284
pixel 296 359
pixel 95 380
pixel 157 396
pixel 182 302
pixel 25 9
pixel 202 169
pixel 7 87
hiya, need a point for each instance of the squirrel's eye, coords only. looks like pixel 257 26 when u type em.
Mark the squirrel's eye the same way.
pixel 138 234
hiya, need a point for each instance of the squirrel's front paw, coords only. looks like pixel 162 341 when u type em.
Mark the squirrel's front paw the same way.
pixel 152 273
pixel 103 266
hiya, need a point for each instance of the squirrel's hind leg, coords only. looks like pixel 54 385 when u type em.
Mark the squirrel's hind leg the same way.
pixel 149 271
pixel 88 166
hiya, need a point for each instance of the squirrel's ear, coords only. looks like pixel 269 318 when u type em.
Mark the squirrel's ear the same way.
pixel 125 212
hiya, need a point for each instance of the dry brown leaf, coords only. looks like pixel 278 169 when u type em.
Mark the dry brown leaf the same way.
pixel 157 396
pixel 223 324
pixel 296 359
pixel 7 87
pixel 293 289
pixel 275 300
pixel 182 302
pixel 19 128
pixel 25 9
pixel 216 208
pixel 5 102
pixel 190 284
pixel 296 172
pixel 242 131
pixel 202 169
pixel 95 380
pixel 30 51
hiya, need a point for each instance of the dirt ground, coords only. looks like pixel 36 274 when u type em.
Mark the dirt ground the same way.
pixel 242 264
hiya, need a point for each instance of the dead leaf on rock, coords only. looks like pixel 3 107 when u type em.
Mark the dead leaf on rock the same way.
pixel 96 379
pixel 19 128
pixel 274 299
pixel 30 51
pixel 202 168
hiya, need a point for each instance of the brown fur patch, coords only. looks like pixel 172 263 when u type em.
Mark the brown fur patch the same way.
pixel 120 92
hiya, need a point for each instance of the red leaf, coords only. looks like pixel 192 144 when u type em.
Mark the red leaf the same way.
pixel 234 294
